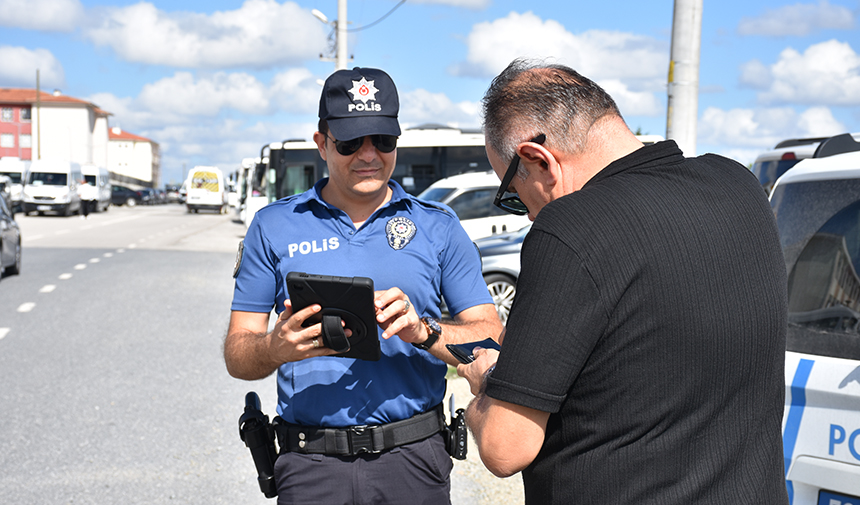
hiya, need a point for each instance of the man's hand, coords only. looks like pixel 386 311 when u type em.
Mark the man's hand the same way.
pixel 291 342
pixel 476 371
pixel 251 353
pixel 396 316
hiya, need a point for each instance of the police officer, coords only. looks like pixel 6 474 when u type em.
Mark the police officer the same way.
pixel 350 430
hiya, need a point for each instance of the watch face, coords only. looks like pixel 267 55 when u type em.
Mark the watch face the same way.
pixel 434 325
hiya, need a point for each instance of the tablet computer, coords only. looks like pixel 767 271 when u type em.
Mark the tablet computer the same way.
pixel 347 299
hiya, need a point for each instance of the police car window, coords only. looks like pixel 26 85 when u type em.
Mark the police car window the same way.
pixel 824 289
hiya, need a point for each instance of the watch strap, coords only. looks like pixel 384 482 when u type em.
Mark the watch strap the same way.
pixel 432 335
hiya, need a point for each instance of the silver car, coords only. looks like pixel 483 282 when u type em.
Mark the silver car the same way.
pixel 500 257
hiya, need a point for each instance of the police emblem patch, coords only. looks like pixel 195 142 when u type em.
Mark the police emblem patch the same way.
pixel 239 255
pixel 400 231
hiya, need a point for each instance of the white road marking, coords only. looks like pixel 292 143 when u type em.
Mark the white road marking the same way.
pixel 4 332
pixel 94 260
pixel 132 246
pixel 26 307
pixel 47 288
pixel 80 266
pixel 108 255
pixel 120 251
pixel 64 277
pixel 33 237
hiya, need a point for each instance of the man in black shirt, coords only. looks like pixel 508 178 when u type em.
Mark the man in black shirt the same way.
pixel 643 357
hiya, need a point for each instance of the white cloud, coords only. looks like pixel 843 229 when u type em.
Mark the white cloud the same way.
pixel 798 20
pixel 756 75
pixel 763 128
pixel 194 144
pixel 421 106
pixel 183 99
pixel 633 103
pixel 20 64
pixel 597 54
pixel 261 33
pixel 469 4
pixel 632 68
pixel 184 96
pixel 828 73
pixel 296 90
pixel 44 15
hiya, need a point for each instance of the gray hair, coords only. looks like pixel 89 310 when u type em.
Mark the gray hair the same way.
pixel 530 97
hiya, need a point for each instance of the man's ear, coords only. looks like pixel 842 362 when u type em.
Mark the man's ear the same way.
pixel 320 139
pixel 539 160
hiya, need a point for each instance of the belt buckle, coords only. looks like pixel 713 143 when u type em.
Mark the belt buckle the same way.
pixel 360 440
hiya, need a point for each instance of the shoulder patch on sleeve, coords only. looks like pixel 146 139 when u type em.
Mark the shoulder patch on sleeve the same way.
pixel 239 254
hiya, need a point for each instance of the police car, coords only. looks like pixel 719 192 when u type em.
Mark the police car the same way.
pixel 817 208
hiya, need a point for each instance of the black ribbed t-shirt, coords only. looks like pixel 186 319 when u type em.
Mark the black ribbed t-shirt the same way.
pixel 650 321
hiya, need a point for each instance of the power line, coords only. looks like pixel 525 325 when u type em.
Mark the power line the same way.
pixel 378 20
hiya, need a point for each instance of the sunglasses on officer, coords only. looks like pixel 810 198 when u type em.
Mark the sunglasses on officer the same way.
pixel 385 144
pixel 513 204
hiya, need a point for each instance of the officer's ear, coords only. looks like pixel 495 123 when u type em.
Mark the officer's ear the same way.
pixel 320 140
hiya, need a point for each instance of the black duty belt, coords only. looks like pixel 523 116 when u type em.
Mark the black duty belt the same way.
pixel 358 439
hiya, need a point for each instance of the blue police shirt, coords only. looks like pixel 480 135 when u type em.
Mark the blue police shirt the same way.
pixel 304 233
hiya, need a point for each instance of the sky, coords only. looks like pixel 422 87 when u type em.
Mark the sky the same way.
pixel 213 81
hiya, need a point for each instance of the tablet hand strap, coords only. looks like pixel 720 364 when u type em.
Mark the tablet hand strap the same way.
pixel 333 334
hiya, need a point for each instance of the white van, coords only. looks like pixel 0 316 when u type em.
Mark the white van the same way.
pixel 16 170
pixel 98 187
pixel 206 189
pixel 52 186
pixel 471 196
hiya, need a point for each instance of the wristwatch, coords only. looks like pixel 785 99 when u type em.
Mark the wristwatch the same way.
pixel 434 330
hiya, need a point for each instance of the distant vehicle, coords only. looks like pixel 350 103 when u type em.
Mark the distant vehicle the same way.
pixel 16 170
pixel 206 190
pixel 147 196
pixel 121 195
pixel 172 194
pixel 10 240
pixel 52 186
pixel 769 166
pixel 817 208
pixel 500 265
pixel 98 188
pixel 471 196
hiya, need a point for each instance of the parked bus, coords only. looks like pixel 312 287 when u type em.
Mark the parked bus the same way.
pixel 425 154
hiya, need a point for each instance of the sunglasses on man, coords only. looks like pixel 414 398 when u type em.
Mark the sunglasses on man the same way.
pixel 385 144
pixel 513 204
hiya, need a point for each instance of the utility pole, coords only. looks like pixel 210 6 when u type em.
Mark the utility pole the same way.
pixel 38 119
pixel 683 103
pixel 341 56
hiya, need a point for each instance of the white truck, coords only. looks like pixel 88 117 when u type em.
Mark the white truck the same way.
pixel 52 186
pixel 97 189
pixel 16 170
pixel 206 190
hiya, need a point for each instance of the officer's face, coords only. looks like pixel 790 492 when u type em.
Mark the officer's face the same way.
pixel 364 173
